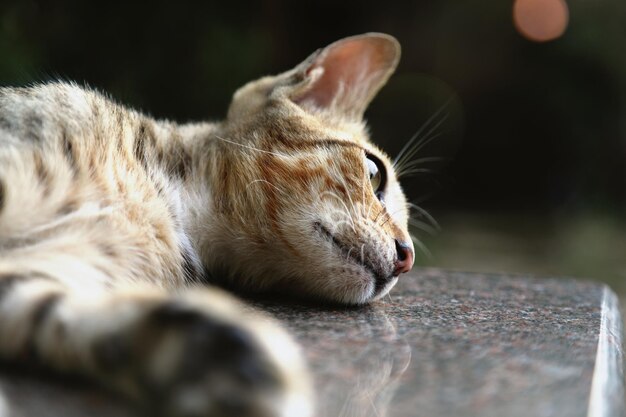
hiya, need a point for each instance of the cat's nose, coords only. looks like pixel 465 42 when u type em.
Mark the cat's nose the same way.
pixel 404 260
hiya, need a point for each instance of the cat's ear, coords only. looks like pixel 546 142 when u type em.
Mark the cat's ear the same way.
pixel 342 78
pixel 345 76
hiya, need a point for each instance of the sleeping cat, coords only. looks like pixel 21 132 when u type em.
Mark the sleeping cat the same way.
pixel 113 225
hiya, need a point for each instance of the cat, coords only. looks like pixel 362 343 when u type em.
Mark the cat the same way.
pixel 113 225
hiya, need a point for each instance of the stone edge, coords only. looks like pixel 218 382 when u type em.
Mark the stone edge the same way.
pixel 606 398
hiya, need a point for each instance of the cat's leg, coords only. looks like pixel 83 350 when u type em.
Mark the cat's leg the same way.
pixel 195 353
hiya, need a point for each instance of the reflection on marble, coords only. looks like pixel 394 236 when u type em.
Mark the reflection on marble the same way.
pixel 456 344
pixel 442 344
pixel 355 377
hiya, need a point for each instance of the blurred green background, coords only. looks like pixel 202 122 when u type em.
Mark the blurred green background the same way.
pixel 533 134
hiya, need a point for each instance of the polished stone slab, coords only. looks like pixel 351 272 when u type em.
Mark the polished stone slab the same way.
pixel 442 344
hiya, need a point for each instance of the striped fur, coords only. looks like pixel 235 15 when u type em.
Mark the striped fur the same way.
pixel 110 219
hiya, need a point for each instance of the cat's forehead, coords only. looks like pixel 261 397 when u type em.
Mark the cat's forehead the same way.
pixel 298 128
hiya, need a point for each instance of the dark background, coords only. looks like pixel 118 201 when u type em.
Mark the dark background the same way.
pixel 534 134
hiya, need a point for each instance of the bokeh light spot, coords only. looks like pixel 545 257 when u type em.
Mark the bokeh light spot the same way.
pixel 540 20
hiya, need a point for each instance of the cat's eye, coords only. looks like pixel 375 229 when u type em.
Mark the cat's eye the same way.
pixel 377 175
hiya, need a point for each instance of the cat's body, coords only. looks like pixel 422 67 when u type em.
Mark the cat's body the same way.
pixel 108 216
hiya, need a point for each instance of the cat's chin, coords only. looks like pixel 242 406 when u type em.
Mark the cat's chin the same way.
pixel 381 292
pixel 375 290
pixel 366 296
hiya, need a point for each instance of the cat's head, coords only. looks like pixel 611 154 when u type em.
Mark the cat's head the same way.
pixel 305 201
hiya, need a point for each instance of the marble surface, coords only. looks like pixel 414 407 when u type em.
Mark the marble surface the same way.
pixel 442 344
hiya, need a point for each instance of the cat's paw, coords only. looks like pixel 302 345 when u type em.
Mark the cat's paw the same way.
pixel 201 356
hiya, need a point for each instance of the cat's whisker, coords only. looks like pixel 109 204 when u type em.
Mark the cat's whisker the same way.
pixel 342 214
pixel 363 193
pixel 403 171
pixel 341 222
pixel 381 212
pixel 347 211
pixel 411 141
pixel 406 169
pixel 426 215
pixel 250 147
pixel 349 252
pixel 377 216
pixel 389 216
pixel 408 172
pixel 411 172
pixel 423 226
pixel 369 209
pixel 345 407
pixel 380 218
pixel 420 245
pixel 85 212
pixel 373 404
pixel 425 160
pixel 265 182
pixel 428 138
pixel 345 185
pixel 344 219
